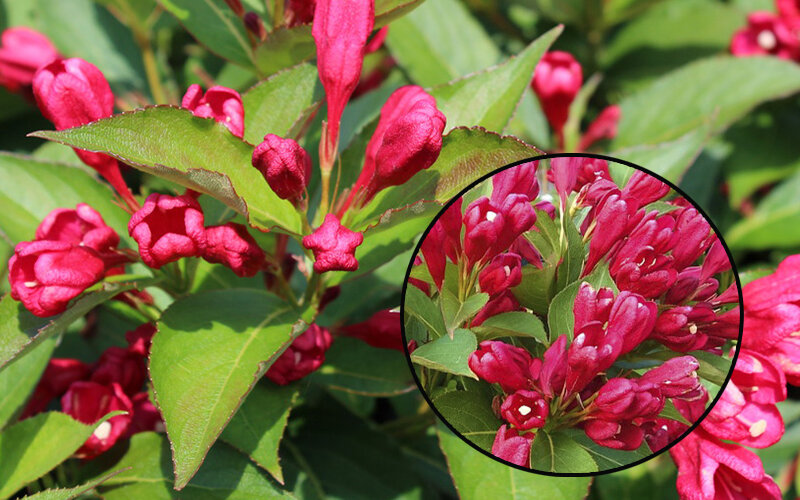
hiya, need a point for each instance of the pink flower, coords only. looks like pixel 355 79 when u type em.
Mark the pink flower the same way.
pixel 520 179
pixel 614 216
pixel 302 357
pixel 22 52
pixel 46 275
pixel 624 399
pixel 499 304
pixel 592 351
pixel 299 11
pixel 676 378
pixel 146 417
pixel 121 366
pixel 512 446
pixel 644 189
pixel 220 103
pixel 632 318
pixel 491 229
pixel 789 11
pixel 503 273
pixel 766 34
pixel 557 80
pixel 334 246
pixel 591 305
pixel 56 379
pixel 82 226
pixel 591 170
pixel 525 410
pixel 564 172
pixel 381 330
pixel 689 328
pixel 615 435
pixel 284 164
pixel 553 373
pixel 602 127
pixel 500 363
pixel 140 339
pixel 695 236
pixel 168 228
pixel 88 402
pixel 230 244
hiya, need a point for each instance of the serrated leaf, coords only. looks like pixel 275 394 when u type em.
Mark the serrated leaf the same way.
pixel 257 427
pixel 474 474
pixel 417 304
pixel 511 324
pixel 197 153
pixel 558 452
pixel 31 448
pixel 447 354
pixel 456 312
pixel 70 493
pixel 489 98
pixel 210 350
pixel 19 377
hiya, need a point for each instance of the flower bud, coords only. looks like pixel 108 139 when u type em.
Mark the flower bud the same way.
pixel 22 52
pixel 614 435
pixel 695 237
pixel 554 368
pixel 766 34
pixel 46 275
pixel 624 399
pixel 140 339
pixel 505 302
pixel 334 246
pixel 525 410
pixel 602 127
pixel 220 103
pixel 231 245
pixel 614 216
pixel 145 418
pixel 381 330
pixel 675 378
pixel 422 285
pixel 643 188
pixel 299 11
pixel 527 251
pixel 518 217
pixel 592 351
pixel 302 357
pixel 82 226
pixel 557 80
pixel 512 446
pixel 121 366
pixel 564 172
pixel 591 305
pixel 483 223
pixel 88 402
pixel 647 273
pixel 168 228
pixel 255 25
pixel 520 179
pixel 284 164
pixel 503 273
pixel 632 318
pixel 236 6
pixel 56 379
pixel 500 363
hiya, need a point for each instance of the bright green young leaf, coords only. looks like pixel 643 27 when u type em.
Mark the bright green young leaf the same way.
pixel 19 377
pixel 557 452
pixel 466 155
pixel 572 255
pixel 724 88
pixel 537 288
pixel 32 447
pixel 30 189
pixel 225 473
pixel 512 324
pixel 456 312
pixel 70 493
pixel 197 153
pixel 470 413
pixel 429 43
pixel 216 26
pixel 210 350
pixel 475 474
pixel 420 306
pixel 489 98
pixel 275 105
pixel 357 368
pixel 257 428
pixel 447 354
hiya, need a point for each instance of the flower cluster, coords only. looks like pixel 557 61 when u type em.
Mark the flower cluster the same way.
pixel 770 34
pixel 666 301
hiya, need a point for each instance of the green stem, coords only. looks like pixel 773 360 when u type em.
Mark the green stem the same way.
pixel 150 67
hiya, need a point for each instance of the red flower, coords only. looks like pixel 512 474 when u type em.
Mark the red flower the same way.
pixel 334 246
pixel 220 103
pixel 557 80
pixel 140 339
pixel 512 446
pixel 789 11
pixel 284 164
pixel 302 357
pixel 615 435
pixel 443 240
pixel 56 379
pixel 632 318
pixel 592 351
pixel 602 127
pixel 553 373
pixel 299 11
pixel 88 402
pixel 643 188
pixel 82 226
pixel 525 410
pixel 503 273
pixel 168 228
pixel 622 399
pixel 500 363
pixel 121 366
pixel 766 34
pixel 146 417
pixel 231 245
pixel 499 304
pixel 381 330
pixel 676 378
pixel 591 305
pixel 22 52
pixel 520 179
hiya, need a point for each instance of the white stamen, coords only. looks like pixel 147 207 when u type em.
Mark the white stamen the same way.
pixel 664 427
pixel 758 428
pixel 692 328
pixel 524 410
pixel 507 270
pixel 580 339
pixel 490 216
pixel 766 40
pixel 103 431
pixel 641 263
pixel 757 366
pixel 297 357
pixel 31 284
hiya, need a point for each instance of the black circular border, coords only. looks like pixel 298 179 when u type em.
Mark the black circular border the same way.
pixel 572 474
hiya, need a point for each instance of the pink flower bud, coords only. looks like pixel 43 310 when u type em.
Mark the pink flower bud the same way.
pixel 527 251
pixel 121 366
pixel 716 260
pixel 88 402
pixel 766 34
pixel 512 446
pixel 503 273
pixel 643 188
pixel 695 237
pixel 381 330
pixel 525 410
pixel 615 435
pixel 284 164
pixel 553 374
pixel 146 417
pixel 168 228
pixel 236 6
pixel 483 222
pixel 591 170
pixel 56 379
pixel 557 80
pixel 231 245
pixel 255 25
pixel 376 42
pixel 564 172
pixel 500 363
pixel 22 52
pixel 46 275
pixel 302 357
pixel 505 302
pixel 592 351
pixel 220 103
pixel 340 30
pixel 647 273
pixel 602 127
pixel 675 378
pixel 623 399
pixel 520 179
pixel 518 217
pixel 632 318
pixel 299 11
pixel 82 226
pixel 334 246
pixel 614 217
pixel 789 11
pixel 140 339
pixel 591 305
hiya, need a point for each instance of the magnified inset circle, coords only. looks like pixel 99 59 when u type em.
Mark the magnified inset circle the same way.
pixel 572 315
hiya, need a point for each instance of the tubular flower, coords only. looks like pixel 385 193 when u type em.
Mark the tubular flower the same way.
pixel 520 179
pixel 766 34
pixel 302 357
pixel 500 363
pixel 557 80
pixel 82 226
pixel 222 104
pixel 525 410
pixel 88 402
pixel 334 246
pixel 502 273
pixel 22 52
pixel 513 446
pixel 381 330
pixel 284 164
pixel 121 366
pixel 232 245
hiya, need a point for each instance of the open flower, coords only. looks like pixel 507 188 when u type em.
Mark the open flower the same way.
pixel 220 103
pixel 334 246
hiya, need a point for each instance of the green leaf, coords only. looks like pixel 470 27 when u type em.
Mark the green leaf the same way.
pixel 197 153
pixel 277 104
pixel 572 253
pixel 70 493
pixel 672 413
pixel 216 26
pixel 257 428
pixel 558 452
pixel 604 457
pixel 560 316
pixel 447 354
pixel 37 444
pixel 470 413
pixel 474 474
pixel 285 47
pixel 712 368
pixel 489 98
pixel 19 377
pixel 209 351
pixel 354 367
pixel 466 155
pixel 30 189
pixel 724 88
pixel 419 305
pixel 456 312
pixel 774 223
pixel 512 324
pixel 429 43
pixel 225 473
